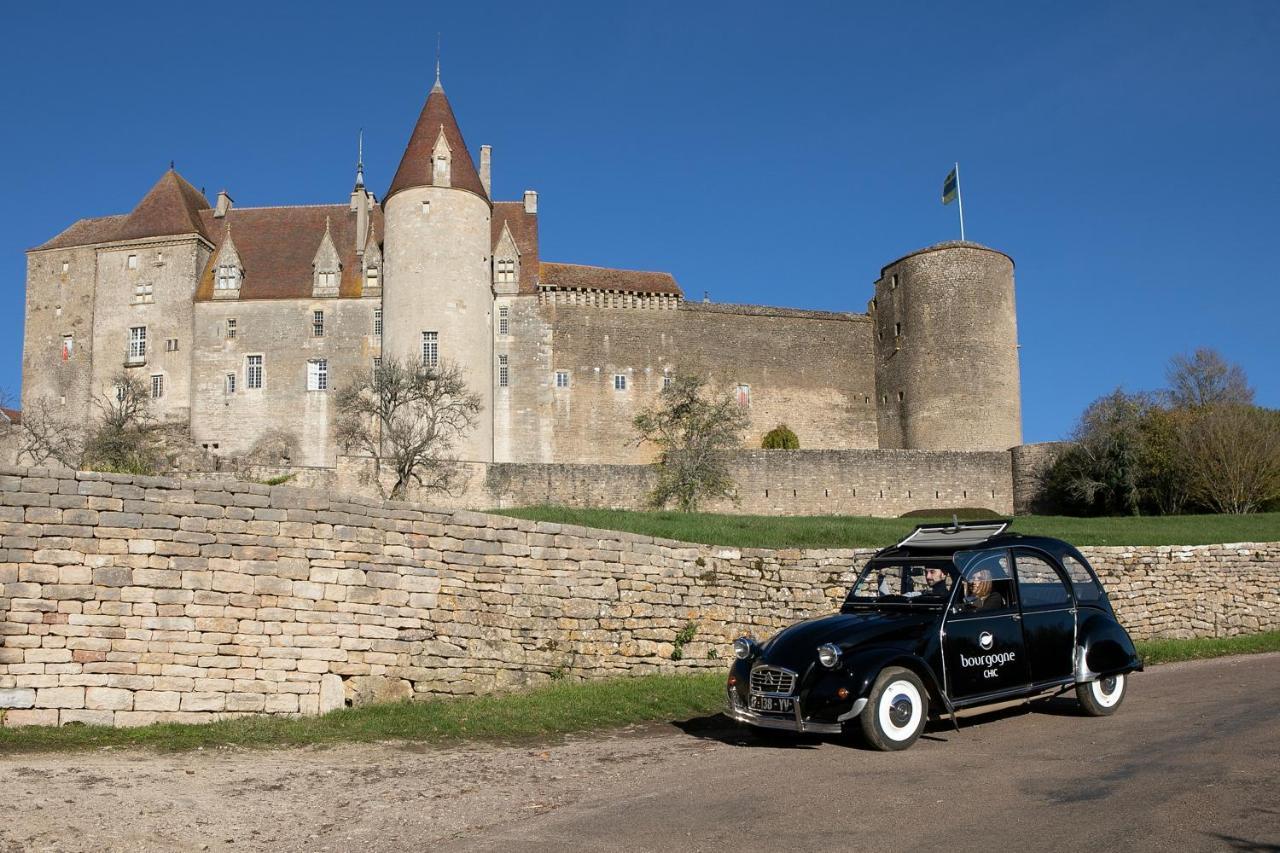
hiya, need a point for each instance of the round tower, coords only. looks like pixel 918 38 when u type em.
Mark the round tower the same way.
pixel 437 302
pixel 946 343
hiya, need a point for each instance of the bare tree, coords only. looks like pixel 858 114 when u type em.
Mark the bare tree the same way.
pixel 47 435
pixel 125 440
pixel 691 427
pixel 408 416
pixel 1205 378
pixel 1233 457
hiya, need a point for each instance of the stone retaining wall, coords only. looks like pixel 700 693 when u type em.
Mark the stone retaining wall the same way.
pixel 131 600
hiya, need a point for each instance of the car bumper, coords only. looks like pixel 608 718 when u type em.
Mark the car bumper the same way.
pixel 735 710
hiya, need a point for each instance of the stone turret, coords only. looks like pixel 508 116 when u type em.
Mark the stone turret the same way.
pixel 946 350
pixel 437 293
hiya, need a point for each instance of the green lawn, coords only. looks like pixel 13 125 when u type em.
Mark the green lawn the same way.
pixel 842 531
pixel 559 708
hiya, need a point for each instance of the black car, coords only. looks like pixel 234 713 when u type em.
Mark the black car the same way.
pixel 954 616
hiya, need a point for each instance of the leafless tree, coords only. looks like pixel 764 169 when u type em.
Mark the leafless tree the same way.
pixel 1233 457
pixel 408 417
pixel 1205 378
pixel 692 427
pixel 46 435
pixel 125 439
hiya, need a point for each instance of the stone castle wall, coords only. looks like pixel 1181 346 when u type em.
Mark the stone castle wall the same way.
pixel 131 600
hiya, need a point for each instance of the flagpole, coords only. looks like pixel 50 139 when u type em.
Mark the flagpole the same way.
pixel 960 202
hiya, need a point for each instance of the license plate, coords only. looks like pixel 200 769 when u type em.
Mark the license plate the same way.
pixel 771 704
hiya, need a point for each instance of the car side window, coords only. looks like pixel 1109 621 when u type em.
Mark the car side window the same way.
pixel 1039 584
pixel 988 584
pixel 1081 580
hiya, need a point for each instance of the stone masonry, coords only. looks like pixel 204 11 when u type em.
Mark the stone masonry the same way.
pixel 131 600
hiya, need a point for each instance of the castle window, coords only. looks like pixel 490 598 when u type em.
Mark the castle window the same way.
pixel 371 277
pixel 504 321
pixel 230 385
pixel 744 396
pixel 327 279
pixel 619 381
pixel 504 372
pixel 902 395
pixel 132 262
pixel 170 344
pixel 253 371
pixel 893 282
pixel 159 257
pixel 317 321
pixel 66 265
pixel 426 208
pixel 562 379
pixel 142 292
pixel 68 347
pixel 318 374
pixel 228 277
pixel 442 167
pixel 897 329
pixel 377 322
pixel 231 327
pixel 377 363
pixel 157 386
pixel 505 271
pixel 431 349
pixel 137 343
pixel 666 381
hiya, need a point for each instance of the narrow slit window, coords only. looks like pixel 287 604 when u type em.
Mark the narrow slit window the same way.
pixel 504 372
pixel 431 349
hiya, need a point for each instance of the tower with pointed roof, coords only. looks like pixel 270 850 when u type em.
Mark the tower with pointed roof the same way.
pixel 437 302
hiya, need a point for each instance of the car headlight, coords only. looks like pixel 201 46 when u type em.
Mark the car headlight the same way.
pixel 829 655
pixel 743 648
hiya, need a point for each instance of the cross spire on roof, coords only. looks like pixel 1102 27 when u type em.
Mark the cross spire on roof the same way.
pixel 360 160
pixel 437 85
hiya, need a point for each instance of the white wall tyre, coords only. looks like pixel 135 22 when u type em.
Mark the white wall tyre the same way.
pixel 896 711
pixel 1101 697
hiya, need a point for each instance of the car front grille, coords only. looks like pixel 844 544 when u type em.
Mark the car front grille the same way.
pixel 769 679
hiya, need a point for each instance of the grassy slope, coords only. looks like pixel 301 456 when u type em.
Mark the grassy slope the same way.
pixel 836 531
pixel 559 708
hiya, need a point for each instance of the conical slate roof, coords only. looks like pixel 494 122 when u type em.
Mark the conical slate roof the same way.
pixel 415 165
pixel 171 207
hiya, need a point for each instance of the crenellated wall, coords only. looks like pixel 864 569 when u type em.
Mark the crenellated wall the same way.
pixel 130 600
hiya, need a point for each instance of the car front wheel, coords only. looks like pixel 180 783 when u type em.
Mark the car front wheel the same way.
pixel 1102 696
pixel 896 710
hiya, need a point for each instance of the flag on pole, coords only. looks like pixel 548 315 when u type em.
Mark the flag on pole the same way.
pixel 950 187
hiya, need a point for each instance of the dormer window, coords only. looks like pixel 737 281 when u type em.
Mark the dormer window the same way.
pixel 228 277
pixel 440 161
pixel 504 272
pixel 327 279
pixel 371 277
pixel 442 167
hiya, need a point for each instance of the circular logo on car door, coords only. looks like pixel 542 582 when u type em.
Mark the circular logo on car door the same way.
pixel 986 640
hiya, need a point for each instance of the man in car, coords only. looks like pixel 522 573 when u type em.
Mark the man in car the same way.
pixel 935 580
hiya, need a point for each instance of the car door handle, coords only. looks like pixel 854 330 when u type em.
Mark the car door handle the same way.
pixel 1017 617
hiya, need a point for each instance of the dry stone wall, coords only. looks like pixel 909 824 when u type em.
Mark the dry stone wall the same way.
pixel 130 600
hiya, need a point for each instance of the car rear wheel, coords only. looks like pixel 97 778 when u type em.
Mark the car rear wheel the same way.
pixel 896 710
pixel 1101 697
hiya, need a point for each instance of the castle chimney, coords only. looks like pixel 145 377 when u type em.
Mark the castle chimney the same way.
pixel 360 203
pixel 486 159
pixel 530 201
pixel 223 205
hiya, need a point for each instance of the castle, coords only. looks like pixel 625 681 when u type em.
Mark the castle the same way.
pixel 246 319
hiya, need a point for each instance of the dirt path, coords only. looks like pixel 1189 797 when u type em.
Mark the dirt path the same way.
pixel 1199 741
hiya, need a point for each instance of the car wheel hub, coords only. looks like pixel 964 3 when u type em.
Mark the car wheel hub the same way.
pixel 900 710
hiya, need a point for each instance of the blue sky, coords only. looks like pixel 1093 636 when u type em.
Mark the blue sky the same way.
pixel 1125 154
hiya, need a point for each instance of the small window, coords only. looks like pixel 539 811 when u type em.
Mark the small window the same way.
pixel 253 371
pixel 426 208
pixel 159 257
pixel 619 382
pixel 137 343
pixel 377 322
pixel 377 363
pixel 504 374
pixel 505 271
pixel 318 374
pixel 897 329
pixel 666 382
pixel 902 395
pixel 142 292
pixel 562 379
pixel 371 277
pixel 442 166
pixel 170 344
pixel 431 349
pixel 743 395
pixel 68 347
pixel 231 327
pixel 893 282
pixel 317 323
pixel 228 277
pixel 66 265
pixel 504 321
pixel 230 385
pixel 1081 580
pixel 132 262
pixel 157 386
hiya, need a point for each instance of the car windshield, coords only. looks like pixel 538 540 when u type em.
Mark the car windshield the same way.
pixel 922 581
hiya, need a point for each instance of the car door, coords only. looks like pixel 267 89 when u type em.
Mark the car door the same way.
pixel 1048 616
pixel 983 648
